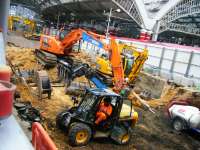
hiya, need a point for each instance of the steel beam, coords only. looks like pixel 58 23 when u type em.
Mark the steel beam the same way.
pixel 183 9
pixel 187 29
pixel 129 7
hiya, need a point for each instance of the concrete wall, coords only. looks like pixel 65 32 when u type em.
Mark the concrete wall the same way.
pixel 173 62
pixel 170 61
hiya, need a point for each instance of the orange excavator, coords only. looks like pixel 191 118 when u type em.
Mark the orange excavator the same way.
pixel 56 46
pixel 59 43
pixel 62 42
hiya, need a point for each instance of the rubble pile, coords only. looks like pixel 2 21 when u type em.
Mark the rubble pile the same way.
pixel 152 131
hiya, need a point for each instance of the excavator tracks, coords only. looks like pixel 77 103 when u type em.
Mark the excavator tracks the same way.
pixel 45 58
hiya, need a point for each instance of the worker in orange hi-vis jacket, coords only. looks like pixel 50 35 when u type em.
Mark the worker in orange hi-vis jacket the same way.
pixel 105 110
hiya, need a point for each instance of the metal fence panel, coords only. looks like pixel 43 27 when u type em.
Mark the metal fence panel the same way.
pixel 183 56
pixel 194 72
pixel 166 64
pixel 180 68
pixel 196 59
pixel 169 54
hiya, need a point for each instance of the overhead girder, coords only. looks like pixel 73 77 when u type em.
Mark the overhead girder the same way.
pixel 129 6
pixel 135 9
pixel 181 18
pixel 178 9
pixel 183 9
pixel 191 19
pixel 37 5
pixel 48 3
pixel 140 13
pixel 183 28
pixel 31 4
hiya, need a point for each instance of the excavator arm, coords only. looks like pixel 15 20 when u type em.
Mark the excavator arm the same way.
pixel 138 64
pixel 71 72
pixel 115 58
pixel 70 39
pixel 58 46
pixel 63 47
pixel 117 67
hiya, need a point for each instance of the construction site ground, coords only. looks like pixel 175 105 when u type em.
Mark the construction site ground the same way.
pixel 152 132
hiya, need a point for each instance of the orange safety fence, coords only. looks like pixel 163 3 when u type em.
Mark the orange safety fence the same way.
pixel 41 139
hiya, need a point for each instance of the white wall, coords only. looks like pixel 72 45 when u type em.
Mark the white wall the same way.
pixel 173 62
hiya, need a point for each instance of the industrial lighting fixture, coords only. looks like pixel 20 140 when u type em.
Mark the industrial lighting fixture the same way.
pixel 118 10
pixel 108 25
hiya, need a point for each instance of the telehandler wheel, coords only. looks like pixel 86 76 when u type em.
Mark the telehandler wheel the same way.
pixel 121 135
pixel 178 124
pixel 59 120
pixel 79 134
pixel 125 138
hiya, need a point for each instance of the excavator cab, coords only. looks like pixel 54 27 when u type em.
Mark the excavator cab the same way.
pixel 79 121
pixel 128 61
pixel 62 34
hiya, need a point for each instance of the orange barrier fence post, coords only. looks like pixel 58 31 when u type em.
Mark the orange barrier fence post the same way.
pixel 41 139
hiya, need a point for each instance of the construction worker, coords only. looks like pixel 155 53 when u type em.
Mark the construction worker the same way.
pixel 105 110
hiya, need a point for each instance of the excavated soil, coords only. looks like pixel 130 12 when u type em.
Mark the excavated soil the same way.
pixel 152 132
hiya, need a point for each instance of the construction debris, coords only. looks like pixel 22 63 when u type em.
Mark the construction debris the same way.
pixel 76 88
pixel 27 113
pixel 152 130
pixel 142 102
pixel 43 84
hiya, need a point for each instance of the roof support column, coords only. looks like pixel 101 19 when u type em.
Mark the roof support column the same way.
pixel 4 7
pixel 156 31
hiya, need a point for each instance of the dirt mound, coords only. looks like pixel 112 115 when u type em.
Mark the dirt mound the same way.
pixel 152 131
pixel 179 94
pixel 22 57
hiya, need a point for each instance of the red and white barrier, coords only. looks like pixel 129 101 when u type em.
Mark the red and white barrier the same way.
pixel 41 139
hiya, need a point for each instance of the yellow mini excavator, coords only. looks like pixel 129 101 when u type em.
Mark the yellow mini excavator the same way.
pixel 133 60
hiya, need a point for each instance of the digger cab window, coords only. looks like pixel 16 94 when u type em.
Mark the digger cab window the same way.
pixel 104 56
pixel 87 103
pixel 53 32
pixel 128 65
pixel 127 109
pixel 63 34
pixel 111 100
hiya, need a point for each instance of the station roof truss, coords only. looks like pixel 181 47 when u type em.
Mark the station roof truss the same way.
pixel 167 15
